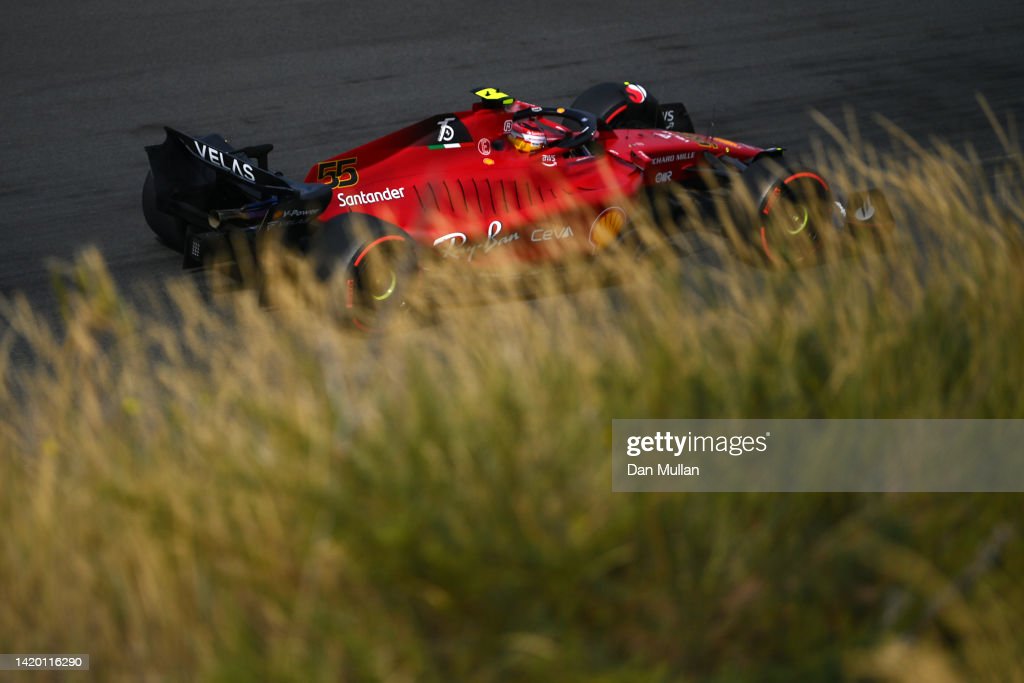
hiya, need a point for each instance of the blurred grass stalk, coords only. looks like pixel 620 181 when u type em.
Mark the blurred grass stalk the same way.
pixel 234 492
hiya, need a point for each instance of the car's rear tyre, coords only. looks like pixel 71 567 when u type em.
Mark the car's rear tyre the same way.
pixel 168 229
pixel 370 266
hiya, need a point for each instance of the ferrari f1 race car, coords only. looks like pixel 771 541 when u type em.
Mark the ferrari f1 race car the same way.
pixel 505 181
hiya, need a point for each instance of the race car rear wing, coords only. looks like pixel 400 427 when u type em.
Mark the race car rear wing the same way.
pixel 208 183
pixel 219 191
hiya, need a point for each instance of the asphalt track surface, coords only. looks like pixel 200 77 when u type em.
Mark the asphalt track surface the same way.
pixel 86 85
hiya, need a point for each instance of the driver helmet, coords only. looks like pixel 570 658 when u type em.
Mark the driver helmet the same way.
pixel 528 136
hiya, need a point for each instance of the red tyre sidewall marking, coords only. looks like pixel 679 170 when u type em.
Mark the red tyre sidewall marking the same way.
pixel 806 174
pixel 775 194
pixel 764 245
pixel 350 302
pixel 371 245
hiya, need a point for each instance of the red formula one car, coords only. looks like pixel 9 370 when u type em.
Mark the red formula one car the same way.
pixel 503 182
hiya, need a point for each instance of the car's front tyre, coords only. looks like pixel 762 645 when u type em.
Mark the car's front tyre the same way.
pixel 785 213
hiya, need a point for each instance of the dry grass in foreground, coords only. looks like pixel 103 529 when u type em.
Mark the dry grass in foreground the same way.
pixel 227 492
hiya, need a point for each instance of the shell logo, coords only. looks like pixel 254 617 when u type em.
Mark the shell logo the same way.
pixel 636 93
pixel 606 227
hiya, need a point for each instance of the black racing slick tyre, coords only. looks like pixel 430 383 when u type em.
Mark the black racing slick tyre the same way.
pixel 370 266
pixel 168 229
pixel 785 213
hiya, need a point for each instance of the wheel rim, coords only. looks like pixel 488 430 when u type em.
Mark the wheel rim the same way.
pixel 800 217
pixel 376 281
pixel 388 290
pixel 788 230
